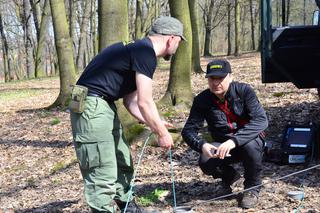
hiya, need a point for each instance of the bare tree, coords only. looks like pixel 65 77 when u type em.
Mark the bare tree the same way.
pixel 252 25
pixel 194 15
pixel 212 18
pixel 93 29
pixel 23 11
pixel 40 59
pixel 64 52
pixel 138 21
pixel 5 53
pixel 35 8
pixel 83 35
pixel 237 29
pixel 229 7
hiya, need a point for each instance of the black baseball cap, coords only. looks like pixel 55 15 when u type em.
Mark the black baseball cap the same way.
pixel 218 68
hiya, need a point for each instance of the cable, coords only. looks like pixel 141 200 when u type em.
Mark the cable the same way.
pixel 254 187
pixel 172 180
pixel 135 171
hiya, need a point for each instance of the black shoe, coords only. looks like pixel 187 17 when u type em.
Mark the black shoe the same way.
pixel 249 199
pixel 225 187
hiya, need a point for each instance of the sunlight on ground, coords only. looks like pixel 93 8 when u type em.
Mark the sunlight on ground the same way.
pixel 31 94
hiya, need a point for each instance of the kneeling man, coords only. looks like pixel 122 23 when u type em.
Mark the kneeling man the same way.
pixel 236 121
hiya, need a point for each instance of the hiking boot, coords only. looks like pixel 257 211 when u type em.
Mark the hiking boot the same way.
pixel 225 187
pixel 133 208
pixel 249 199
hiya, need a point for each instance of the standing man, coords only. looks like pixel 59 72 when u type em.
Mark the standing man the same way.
pixel 235 121
pixel 122 70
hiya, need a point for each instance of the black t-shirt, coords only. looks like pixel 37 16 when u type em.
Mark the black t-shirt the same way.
pixel 112 72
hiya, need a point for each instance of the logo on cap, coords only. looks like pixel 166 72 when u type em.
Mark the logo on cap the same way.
pixel 216 66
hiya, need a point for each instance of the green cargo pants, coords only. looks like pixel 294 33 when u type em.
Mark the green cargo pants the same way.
pixel 103 154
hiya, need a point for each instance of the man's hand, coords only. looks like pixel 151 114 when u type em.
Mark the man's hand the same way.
pixel 167 124
pixel 165 141
pixel 208 150
pixel 224 149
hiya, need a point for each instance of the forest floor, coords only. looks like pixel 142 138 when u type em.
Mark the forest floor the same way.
pixel 39 171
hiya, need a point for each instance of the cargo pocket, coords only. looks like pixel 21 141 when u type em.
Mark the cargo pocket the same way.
pixel 88 155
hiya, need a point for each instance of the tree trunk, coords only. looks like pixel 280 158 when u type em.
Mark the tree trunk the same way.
pixel 5 53
pixel 193 4
pixel 207 40
pixel 278 9
pixel 71 22
pixel 237 28
pixel 83 34
pixel 93 26
pixel 64 52
pixel 179 91
pixel 138 22
pixel 28 39
pixel 113 22
pixel 40 59
pixel 304 12
pixel 150 15
pixel 288 12
pixel 113 27
pixel 35 7
pixel 252 26
pixel 229 28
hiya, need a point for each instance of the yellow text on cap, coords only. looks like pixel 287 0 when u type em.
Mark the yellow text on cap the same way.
pixel 216 66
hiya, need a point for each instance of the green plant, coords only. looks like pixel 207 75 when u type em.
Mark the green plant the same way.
pixel 58 166
pixel 278 94
pixel 62 165
pixel 56 181
pixel 152 197
pixel 168 114
pixel 45 113
pixel 31 182
pixel 55 121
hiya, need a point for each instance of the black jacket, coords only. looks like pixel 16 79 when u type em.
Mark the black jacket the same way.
pixel 242 102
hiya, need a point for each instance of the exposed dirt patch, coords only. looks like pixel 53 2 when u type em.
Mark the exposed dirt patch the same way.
pixel 39 172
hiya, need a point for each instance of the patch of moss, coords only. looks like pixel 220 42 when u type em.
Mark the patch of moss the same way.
pixel 55 121
pixel 13 169
pixel 45 113
pixel 56 181
pixel 62 165
pixel 31 182
pixel 278 94
pixel 152 197
pixel 58 166
pixel 168 114
pixel 133 131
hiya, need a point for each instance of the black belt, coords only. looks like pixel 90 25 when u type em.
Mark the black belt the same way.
pixel 106 98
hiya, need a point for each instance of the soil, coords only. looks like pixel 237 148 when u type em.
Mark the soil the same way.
pixel 39 170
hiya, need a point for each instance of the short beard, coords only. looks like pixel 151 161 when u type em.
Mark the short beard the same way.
pixel 167 57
